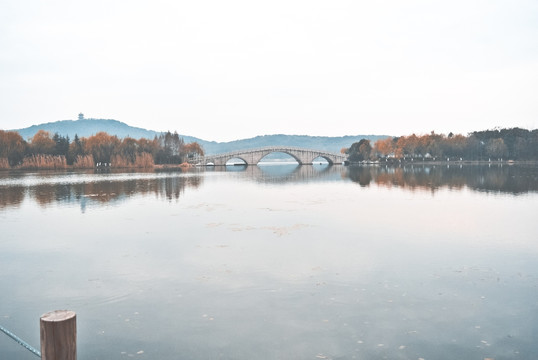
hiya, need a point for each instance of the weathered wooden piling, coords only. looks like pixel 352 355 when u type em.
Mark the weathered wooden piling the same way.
pixel 58 335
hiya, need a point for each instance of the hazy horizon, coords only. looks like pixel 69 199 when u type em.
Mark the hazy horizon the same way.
pixel 233 70
pixel 196 136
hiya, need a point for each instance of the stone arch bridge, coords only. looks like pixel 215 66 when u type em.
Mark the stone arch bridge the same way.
pixel 254 156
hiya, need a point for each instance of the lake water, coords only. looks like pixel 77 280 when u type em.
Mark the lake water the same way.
pixel 275 262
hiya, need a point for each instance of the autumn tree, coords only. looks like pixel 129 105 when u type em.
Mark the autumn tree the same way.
pixel 383 147
pixel 148 146
pixel 101 146
pixel 12 147
pixel 192 149
pixel 399 146
pixel 435 144
pixel 408 146
pixel 128 149
pixel 359 151
pixel 42 143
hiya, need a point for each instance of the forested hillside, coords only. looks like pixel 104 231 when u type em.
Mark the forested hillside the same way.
pixel 89 127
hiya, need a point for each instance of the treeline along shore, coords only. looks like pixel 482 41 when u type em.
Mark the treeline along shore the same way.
pixel 47 151
pixel 513 144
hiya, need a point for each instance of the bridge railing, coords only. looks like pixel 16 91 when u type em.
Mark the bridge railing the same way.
pixel 271 149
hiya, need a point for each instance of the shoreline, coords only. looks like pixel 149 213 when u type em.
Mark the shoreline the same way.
pixel 187 166
pixel 444 162
pixel 158 167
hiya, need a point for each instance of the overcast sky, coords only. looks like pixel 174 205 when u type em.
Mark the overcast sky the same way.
pixel 223 70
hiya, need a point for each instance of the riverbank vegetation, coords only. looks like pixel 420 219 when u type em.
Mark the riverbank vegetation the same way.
pixel 47 151
pixel 490 145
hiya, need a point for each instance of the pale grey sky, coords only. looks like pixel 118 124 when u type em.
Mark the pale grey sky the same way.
pixel 222 70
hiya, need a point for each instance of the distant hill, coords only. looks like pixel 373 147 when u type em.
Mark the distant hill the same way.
pixel 327 143
pixel 88 127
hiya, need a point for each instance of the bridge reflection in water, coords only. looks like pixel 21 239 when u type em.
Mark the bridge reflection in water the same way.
pixel 276 173
pixel 89 189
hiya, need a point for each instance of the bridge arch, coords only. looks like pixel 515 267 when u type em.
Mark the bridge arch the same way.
pixel 290 154
pixel 253 156
pixel 235 163
pixel 326 158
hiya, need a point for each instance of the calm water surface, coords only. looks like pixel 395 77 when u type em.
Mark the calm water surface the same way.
pixel 275 262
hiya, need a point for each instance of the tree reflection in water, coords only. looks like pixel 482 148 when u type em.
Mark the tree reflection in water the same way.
pixel 97 190
pixel 87 189
pixel 503 179
pixel 11 196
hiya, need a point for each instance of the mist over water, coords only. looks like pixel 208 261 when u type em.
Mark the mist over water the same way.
pixel 272 262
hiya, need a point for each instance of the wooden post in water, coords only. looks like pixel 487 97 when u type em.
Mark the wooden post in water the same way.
pixel 58 335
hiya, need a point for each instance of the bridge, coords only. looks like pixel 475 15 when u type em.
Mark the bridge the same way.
pixel 254 156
